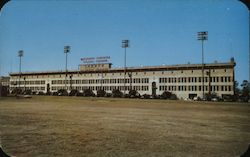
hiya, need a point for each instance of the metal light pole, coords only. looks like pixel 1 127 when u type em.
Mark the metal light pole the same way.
pixel 125 44
pixel 202 36
pixel 20 55
pixel 66 51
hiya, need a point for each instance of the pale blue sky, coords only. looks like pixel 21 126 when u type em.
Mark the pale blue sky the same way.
pixel 160 32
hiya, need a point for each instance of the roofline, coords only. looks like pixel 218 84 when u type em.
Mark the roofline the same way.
pixel 137 69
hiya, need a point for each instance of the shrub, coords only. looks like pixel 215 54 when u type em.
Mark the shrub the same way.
pixel 108 94
pixel 117 93
pixel 16 91
pixel 134 94
pixel 41 93
pixel 173 97
pixel 55 93
pixel 145 96
pixel 166 95
pixel 62 92
pixel 101 93
pixel 48 93
pixel 88 92
pixel 79 94
pixel 73 92
pixel 27 92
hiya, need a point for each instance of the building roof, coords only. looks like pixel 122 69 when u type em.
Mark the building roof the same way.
pixel 139 69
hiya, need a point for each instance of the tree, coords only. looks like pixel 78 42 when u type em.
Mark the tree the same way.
pixel 236 89
pixel 4 91
pixel 245 88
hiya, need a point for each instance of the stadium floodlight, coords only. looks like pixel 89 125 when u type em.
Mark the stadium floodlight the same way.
pixel 125 44
pixel 20 55
pixel 202 36
pixel 66 51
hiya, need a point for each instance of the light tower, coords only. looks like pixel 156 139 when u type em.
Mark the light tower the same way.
pixel 20 55
pixel 202 36
pixel 66 51
pixel 125 44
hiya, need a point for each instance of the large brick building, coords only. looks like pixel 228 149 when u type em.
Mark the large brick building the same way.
pixel 183 80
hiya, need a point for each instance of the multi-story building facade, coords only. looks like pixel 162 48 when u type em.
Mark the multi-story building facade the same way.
pixel 183 80
pixel 5 81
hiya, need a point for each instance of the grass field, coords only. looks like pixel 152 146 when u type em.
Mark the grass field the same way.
pixel 108 127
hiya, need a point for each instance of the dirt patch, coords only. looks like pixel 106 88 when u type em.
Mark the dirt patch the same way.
pixel 77 126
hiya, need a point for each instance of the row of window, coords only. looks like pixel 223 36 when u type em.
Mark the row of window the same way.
pixel 138 88
pixel 36 88
pixel 102 81
pixel 37 82
pixel 195 88
pixel 104 74
pixel 194 79
pixel 106 88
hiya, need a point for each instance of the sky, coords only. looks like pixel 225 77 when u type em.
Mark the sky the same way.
pixel 160 32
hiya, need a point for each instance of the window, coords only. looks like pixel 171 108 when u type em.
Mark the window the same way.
pixel 221 79
pixel 225 79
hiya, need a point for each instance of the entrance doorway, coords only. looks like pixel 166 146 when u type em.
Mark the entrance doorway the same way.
pixel 154 89
pixel 48 87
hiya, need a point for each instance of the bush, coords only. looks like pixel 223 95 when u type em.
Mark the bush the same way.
pixel 101 93
pixel 108 94
pixel 27 92
pixel 117 93
pixel 62 92
pixel 88 92
pixel 41 93
pixel 55 93
pixel 145 96
pixel 79 94
pixel 16 91
pixel 73 92
pixel 166 95
pixel 48 93
pixel 134 94
pixel 173 97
